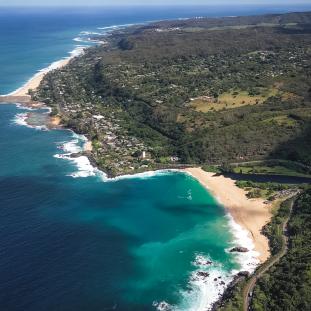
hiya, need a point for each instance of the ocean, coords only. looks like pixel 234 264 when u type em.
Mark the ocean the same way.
pixel 70 239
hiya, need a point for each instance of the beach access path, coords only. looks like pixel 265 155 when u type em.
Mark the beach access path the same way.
pixel 249 287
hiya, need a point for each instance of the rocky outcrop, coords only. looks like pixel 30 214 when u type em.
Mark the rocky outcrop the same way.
pixel 239 249
pixel 200 276
pixel 229 292
pixel 202 261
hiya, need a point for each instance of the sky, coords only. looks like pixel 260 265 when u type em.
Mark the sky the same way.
pixel 149 2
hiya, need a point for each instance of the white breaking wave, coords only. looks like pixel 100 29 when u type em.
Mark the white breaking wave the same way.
pixel 79 50
pixel 90 33
pixel 79 39
pixel 21 119
pixel 248 261
pixel 115 27
pixel 145 175
pixel 20 106
pixel 86 169
pixel 205 291
pixel 82 163
pixel 209 281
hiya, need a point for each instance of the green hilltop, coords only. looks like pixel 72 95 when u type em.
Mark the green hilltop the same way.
pixel 198 91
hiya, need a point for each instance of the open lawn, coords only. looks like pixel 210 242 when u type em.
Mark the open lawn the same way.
pixel 232 99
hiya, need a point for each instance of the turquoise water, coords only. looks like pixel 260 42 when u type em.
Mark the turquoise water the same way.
pixel 72 240
pixel 87 243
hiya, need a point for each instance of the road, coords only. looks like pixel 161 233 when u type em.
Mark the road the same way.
pixel 249 287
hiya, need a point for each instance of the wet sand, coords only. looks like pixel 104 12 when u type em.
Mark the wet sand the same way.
pixel 251 214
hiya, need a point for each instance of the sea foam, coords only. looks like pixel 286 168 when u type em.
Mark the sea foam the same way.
pixel 79 50
pixel 82 163
pixel 21 119
pixel 202 292
pixel 248 261
pixel 205 292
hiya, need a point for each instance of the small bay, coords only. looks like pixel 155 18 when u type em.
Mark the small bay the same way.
pixel 70 239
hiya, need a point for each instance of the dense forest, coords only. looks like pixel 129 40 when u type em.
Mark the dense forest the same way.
pixel 287 286
pixel 198 91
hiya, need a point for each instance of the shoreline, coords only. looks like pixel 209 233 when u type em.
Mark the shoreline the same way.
pixel 250 214
pixel 218 189
pixel 21 95
pixel 34 82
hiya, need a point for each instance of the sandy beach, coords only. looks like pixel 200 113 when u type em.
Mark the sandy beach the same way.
pixel 251 214
pixel 88 146
pixel 54 122
pixel 35 81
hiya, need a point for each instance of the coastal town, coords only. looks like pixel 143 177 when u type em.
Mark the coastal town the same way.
pixel 212 112
pixel 112 148
pixel 200 105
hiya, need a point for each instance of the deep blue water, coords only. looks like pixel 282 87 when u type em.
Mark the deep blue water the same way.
pixel 32 38
pixel 87 244
pixel 84 243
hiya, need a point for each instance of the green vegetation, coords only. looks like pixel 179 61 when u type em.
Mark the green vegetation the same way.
pixel 273 167
pixel 287 283
pixel 274 229
pixel 141 85
pixel 213 92
pixel 287 286
pixel 235 301
pixel 232 99
pixel 266 190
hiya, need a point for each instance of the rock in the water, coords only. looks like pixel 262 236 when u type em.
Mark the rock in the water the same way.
pixel 203 274
pixel 244 273
pixel 238 249
pixel 201 261
pixel 162 306
pixel 200 276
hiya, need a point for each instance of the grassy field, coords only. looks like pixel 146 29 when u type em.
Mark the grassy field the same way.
pixel 282 120
pixel 272 170
pixel 233 99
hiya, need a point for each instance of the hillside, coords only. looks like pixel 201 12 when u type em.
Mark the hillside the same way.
pixel 200 91
pixel 288 285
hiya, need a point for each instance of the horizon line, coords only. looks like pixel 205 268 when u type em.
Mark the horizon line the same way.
pixel 157 5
